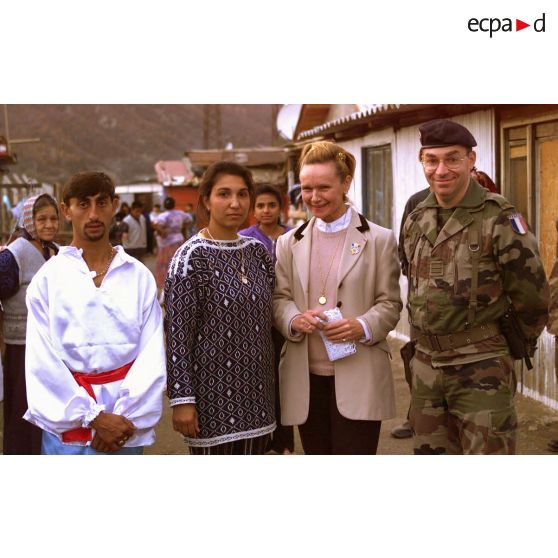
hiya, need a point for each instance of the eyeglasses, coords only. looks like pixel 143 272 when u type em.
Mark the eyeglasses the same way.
pixel 452 162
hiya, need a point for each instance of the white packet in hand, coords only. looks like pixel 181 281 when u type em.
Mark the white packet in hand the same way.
pixel 336 350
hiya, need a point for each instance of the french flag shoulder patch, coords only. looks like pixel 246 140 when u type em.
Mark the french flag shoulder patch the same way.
pixel 518 223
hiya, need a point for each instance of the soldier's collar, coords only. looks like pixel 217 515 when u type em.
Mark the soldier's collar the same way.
pixel 474 196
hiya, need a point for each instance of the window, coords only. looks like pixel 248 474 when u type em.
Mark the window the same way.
pixel 377 187
pixel 531 180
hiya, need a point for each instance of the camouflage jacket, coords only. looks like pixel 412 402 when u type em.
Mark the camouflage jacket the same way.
pixel 440 269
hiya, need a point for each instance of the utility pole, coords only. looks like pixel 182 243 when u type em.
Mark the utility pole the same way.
pixel 6 125
pixel 274 132
pixel 212 131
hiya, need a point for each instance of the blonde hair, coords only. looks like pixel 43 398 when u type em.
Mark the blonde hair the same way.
pixel 326 152
pixel 329 152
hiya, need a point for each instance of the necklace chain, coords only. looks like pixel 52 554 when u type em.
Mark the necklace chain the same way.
pixel 323 299
pixel 112 254
pixel 242 273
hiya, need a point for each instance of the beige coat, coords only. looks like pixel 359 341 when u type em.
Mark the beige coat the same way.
pixel 368 287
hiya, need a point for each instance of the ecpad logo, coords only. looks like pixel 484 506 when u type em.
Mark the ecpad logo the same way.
pixel 493 25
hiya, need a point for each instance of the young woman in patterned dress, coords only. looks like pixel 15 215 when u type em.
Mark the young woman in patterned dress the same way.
pixel 218 297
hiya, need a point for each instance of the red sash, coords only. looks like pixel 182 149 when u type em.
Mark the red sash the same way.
pixel 85 380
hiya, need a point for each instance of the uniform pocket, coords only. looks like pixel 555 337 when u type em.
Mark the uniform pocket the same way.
pixel 503 421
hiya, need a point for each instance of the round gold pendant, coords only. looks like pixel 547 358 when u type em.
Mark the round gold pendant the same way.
pixel 322 300
pixel 244 279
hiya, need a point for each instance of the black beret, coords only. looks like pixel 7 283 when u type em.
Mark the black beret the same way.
pixel 440 133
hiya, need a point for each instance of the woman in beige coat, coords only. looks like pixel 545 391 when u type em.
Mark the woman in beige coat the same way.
pixel 338 259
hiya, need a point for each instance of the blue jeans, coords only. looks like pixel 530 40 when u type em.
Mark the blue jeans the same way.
pixel 51 445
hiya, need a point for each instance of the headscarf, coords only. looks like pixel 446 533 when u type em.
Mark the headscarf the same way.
pixel 29 225
pixel 484 180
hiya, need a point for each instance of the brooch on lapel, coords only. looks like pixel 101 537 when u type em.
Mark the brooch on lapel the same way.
pixel 355 248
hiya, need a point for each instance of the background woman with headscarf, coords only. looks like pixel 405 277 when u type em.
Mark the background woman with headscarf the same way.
pixel 18 264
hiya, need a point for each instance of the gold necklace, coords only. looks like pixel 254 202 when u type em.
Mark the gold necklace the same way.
pixel 323 299
pixel 112 254
pixel 242 273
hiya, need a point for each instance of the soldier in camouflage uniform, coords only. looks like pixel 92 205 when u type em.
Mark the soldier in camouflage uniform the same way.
pixel 470 257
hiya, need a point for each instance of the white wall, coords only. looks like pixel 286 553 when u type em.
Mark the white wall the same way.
pixel 381 137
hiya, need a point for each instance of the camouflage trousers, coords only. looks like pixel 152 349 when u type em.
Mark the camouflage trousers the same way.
pixel 463 409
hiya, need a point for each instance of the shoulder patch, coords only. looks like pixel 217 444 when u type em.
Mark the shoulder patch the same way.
pixel 518 223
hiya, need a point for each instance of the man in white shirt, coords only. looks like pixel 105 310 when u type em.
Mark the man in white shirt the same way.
pixel 134 237
pixel 95 362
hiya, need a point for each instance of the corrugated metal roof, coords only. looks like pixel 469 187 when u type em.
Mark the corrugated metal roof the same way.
pixel 369 111
pixel 311 116
pixel 17 178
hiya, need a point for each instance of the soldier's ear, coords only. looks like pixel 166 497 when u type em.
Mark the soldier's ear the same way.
pixel 472 159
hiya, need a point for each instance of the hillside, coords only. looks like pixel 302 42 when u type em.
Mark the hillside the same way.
pixel 124 140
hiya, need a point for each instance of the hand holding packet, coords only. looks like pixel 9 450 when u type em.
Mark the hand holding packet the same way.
pixel 336 350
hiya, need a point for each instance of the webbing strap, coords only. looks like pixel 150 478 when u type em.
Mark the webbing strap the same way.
pixel 475 239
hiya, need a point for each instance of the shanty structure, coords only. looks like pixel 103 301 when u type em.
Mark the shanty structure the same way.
pixel 266 163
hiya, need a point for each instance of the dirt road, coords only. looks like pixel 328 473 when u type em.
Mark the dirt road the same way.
pixel 538 424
